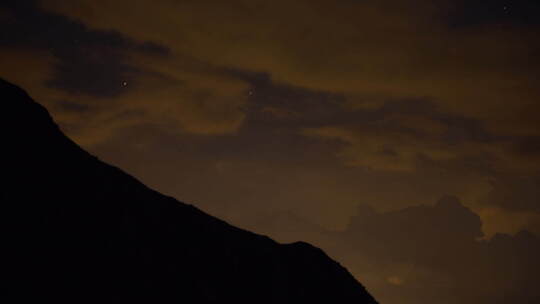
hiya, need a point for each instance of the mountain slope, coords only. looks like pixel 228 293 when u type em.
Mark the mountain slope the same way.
pixel 75 229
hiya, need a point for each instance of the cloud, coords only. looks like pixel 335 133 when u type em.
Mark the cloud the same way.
pixel 368 54
pixel 97 82
pixel 369 51
pixel 496 219
pixel 380 149
pixel 395 140
pixel 420 225
pixel 440 247
pixel 377 62
pixel 432 254
pixel 521 194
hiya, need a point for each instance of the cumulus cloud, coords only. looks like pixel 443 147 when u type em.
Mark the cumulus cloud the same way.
pixel 432 254
pixel 440 248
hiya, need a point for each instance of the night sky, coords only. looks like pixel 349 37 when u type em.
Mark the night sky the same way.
pixel 401 136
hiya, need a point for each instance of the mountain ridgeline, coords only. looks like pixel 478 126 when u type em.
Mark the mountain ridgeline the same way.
pixel 77 230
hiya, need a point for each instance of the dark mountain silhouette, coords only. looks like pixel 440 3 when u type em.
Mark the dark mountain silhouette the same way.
pixel 75 229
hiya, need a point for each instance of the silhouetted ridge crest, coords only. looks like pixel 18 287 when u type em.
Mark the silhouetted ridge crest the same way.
pixel 78 230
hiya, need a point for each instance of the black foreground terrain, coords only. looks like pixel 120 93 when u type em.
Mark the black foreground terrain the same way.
pixel 75 230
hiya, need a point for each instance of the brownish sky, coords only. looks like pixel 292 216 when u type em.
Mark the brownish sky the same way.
pixel 399 135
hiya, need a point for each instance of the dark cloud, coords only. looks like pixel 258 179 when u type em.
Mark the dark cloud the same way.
pixel 427 254
pixel 496 12
pixel 402 235
pixel 60 60
pixel 528 147
pixel 367 51
pixel 405 134
pixel 444 239
pixel 90 62
pixel 287 105
pixel 95 80
pixel 515 193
